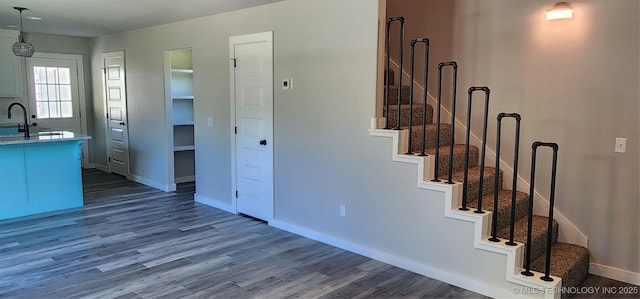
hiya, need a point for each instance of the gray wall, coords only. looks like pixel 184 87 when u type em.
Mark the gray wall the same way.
pixel 575 82
pixel 424 18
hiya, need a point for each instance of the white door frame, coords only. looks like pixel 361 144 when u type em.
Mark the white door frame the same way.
pixel 233 40
pixel 81 96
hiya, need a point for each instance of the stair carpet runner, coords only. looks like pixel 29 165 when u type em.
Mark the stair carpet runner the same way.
pixel 568 261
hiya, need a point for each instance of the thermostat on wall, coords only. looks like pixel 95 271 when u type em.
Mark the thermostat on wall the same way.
pixel 287 84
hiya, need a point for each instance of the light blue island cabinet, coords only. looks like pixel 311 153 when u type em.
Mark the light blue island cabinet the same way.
pixel 40 174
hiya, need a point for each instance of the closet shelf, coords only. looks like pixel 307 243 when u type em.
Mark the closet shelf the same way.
pixel 182 148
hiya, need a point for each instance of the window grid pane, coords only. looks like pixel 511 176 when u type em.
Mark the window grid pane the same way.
pixel 53 92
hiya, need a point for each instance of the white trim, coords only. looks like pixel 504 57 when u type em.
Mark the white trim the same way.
pixel 151 183
pixel 615 273
pixel 568 232
pixel 168 110
pixel 234 40
pixel 214 203
pixel 468 283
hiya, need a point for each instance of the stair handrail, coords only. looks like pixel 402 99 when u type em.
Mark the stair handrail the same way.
pixel 454 66
pixel 414 41
pixel 486 91
pixel 387 83
pixel 547 264
pixel 514 183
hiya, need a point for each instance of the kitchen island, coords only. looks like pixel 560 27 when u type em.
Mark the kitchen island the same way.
pixel 41 173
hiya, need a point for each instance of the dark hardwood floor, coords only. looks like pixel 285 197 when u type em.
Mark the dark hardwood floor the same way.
pixel 132 241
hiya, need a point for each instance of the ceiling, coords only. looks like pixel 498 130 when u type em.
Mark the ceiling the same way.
pixel 91 18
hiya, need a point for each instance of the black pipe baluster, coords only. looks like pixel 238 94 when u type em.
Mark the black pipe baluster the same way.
pixel 527 261
pixel 388 68
pixel 425 83
pixel 413 46
pixel 466 152
pixel 527 271
pixel 453 119
pixel 514 183
pixel 411 75
pixel 547 264
pixel 494 224
pixel 441 65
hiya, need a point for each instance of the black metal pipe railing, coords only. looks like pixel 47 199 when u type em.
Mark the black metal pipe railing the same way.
pixel 547 264
pixel 465 188
pixel 425 41
pixel 387 83
pixel 514 184
pixel 454 66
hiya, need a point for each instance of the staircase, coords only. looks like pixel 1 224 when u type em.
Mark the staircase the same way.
pixel 568 262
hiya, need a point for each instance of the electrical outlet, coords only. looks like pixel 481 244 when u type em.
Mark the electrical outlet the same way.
pixel 621 145
pixel 343 210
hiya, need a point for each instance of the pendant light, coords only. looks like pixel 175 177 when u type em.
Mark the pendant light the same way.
pixel 22 48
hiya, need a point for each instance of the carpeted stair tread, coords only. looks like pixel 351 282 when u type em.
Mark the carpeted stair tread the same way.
pixel 430 136
pixel 458 158
pixel 538 234
pixel 473 181
pixel 404 114
pixel 568 261
pixel 504 207
pixel 393 95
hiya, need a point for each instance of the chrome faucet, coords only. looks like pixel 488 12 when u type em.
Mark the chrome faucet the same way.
pixel 26 120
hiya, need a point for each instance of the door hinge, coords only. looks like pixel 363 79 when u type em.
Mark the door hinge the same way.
pixel 236 193
pixel 107 115
pixel 109 159
pixel 104 69
pixel 235 62
pixel 236 128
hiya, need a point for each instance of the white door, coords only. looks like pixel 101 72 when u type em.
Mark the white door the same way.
pixel 55 85
pixel 116 105
pixel 53 94
pixel 252 80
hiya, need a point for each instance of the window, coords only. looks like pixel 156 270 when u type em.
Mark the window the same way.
pixel 53 92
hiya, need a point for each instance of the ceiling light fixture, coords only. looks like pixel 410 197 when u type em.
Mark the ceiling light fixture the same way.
pixel 561 10
pixel 22 48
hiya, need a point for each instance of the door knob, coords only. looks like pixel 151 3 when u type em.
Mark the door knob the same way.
pixel 34 124
pixel 122 123
pixel 263 142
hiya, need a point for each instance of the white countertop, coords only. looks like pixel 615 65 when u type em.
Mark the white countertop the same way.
pixel 40 137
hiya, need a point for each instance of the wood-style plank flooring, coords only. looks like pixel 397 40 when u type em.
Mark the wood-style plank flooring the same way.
pixel 132 241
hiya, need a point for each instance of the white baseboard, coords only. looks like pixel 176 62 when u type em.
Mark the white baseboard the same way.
pixel 185 179
pixel 413 266
pixel 615 273
pixel 150 183
pixel 214 203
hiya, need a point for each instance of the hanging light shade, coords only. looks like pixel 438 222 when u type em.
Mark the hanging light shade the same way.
pixel 22 48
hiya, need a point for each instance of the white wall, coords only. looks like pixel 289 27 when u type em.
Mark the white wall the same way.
pixel 575 82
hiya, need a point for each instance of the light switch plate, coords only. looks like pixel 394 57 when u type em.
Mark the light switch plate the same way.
pixel 621 145
pixel 287 84
pixel 210 121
